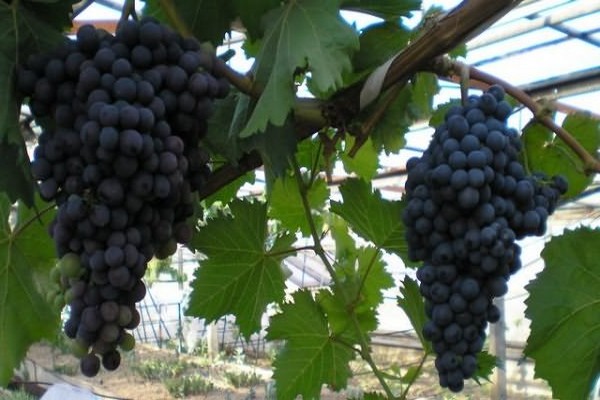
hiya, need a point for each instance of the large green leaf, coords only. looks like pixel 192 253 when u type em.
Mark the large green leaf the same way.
pixel 424 87
pixel 311 355
pixel 222 136
pixel 373 218
pixel 276 146
pixel 366 160
pixel 206 19
pixel 378 42
pixel 26 27
pixel 564 309
pixel 546 152
pixel 26 253
pixel 251 14
pixel 411 301
pixel 385 9
pixel 358 292
pixel 241 274
pixel 388 133
pixel 285 201
pixel 299 34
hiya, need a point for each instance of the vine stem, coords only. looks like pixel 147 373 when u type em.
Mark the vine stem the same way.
pixel 318 249
pixel 34 218
pixel 591 163
pixel 414 376
pixel 376 116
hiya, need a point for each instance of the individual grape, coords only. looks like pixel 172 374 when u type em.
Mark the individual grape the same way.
pixel 90 365
pixel 127 342
pixel 111 360
pixel 141 57
pixel 125 88
pixel 131 142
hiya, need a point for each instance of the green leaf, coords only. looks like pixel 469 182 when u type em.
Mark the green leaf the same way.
pixel 411 301
pixel 26 27
pixel 251 14
pixel 362 277
pixel 286 203
pixel 424 87
pixel 365 161
pixel 345 245
pixel 564 309
pixel 207 20
pixel 385 9
pixel 276 145
pixel 389 132
pixel 229 191
pixel 486 363
pixel 543 151
pixel 25 316
pixel 241 274
pixel 299 34
pixel 15 180
pixel 373 218
pixel 224 126
pixel 311 355
pixel 378 42
pixel 437 117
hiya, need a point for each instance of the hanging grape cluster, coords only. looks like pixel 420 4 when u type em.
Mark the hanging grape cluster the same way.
pixel 123 117
pixel 468 200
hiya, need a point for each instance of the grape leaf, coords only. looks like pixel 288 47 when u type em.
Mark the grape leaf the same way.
pixel 486 363
pixel 26 27
pixel 207 20
pixel 286 203
pixel 222 136
pixel 345 245
pixel 385 9
pixel 424 87
pixel 276 145
pixel 311 355
pixel 564 309
pixel 411 301
pixel 228 192
pixel 365 161
pixel 251 14
pixel 543 151
pixel 362 277
pixel 372 217
pixel 299 34
pixel 378 42
pixel 241 274
pixel 388 133
pixel 25 315
pixel 438 115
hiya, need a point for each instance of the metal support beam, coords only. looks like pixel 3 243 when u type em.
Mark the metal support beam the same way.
pixel 496 34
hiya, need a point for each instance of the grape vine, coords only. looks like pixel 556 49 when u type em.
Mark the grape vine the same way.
pixel 140 129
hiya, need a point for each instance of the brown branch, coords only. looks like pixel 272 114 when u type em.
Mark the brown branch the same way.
pixel 459 25
pixel 591 163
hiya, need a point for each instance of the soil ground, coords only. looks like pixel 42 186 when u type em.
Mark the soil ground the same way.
pixel 127 383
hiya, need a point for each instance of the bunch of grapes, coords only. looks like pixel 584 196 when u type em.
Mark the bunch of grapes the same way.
pixel 121 154
pixel 468 200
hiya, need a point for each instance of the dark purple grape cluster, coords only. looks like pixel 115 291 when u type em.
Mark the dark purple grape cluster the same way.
pixel 121 154
pixel 468 200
